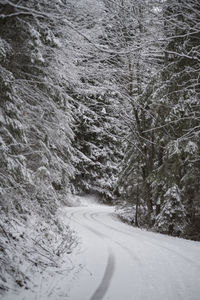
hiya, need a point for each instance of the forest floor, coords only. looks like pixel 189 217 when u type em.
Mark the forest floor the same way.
pixel 118 262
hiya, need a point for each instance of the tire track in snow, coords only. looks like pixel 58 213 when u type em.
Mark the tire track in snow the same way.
pixel 126 249
pixel 156 245
pixel 134 258
pixel 107 277
pixel 110 266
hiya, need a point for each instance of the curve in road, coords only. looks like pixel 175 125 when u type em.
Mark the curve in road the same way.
pixel 126 263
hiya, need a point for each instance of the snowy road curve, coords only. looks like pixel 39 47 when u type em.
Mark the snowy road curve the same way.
pixel 119 262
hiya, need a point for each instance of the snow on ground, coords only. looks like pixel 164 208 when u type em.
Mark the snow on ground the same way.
pixel 118 262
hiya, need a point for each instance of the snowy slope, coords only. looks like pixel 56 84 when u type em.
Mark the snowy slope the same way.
pixel 118 262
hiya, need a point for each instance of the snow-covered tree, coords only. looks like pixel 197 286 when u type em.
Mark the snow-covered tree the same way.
pixel 35 126
pixel 165 114
pixel 172 218
pixel 178 96
pixel 136 41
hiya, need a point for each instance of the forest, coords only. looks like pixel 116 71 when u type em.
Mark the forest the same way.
pixel 96 97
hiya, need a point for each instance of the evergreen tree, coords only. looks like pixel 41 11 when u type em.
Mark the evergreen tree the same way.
pixel 98 142
pixel 98 130
pixel 172 217
pixel 181 88
pixel 35 129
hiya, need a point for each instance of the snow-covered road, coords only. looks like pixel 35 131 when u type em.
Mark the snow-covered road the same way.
pixel 119 262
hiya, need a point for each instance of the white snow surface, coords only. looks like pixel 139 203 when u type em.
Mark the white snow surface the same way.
pixel 118 262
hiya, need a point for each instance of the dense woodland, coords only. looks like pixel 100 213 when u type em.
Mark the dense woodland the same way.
pixel 97 96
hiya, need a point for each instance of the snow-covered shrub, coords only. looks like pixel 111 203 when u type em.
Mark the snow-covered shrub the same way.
pixel 126 212
pixel 172 218
pixel 30 244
